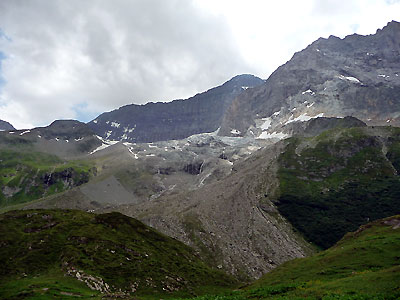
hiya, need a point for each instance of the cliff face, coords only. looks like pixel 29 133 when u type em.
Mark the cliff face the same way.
pixel 174 120
pixel 356 76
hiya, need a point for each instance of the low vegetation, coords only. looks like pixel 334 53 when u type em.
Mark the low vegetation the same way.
pixel 26 176
pixel 48 253
pixel 365 264
pixel 335 182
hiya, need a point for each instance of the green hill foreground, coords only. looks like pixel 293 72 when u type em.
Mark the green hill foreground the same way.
pixel 365 264
pixel 65 254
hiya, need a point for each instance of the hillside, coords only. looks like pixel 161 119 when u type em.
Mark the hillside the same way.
pixel 363 265
pixel 43 161
pixel 58 253
pixel 333 183
pixel 248 214
pixel 27 176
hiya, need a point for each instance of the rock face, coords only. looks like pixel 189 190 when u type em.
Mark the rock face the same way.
pixel 174 120
pixel 356 76
pixel 5 126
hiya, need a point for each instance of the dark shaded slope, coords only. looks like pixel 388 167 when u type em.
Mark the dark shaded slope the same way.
pixel 4 125
pixel 332 183
pixel 173 120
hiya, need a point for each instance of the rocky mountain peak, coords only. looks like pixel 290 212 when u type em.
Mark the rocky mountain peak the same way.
pixel 355 76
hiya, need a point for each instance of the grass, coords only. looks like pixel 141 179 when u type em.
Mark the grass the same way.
pixel 333 186
pixel 39 247
pixel 364 265
pixel 26 176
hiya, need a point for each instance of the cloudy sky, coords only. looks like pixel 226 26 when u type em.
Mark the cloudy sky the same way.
pixel 77 59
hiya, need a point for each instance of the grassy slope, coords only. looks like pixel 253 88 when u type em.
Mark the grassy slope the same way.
pixel 364 265
pixel 32 175
pixel 38 247
pixel 340 180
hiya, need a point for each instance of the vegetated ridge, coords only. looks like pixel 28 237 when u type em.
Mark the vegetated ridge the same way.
pixel 332 183
pixel 58 253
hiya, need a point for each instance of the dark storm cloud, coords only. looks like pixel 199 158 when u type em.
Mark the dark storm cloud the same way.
pixel 64 56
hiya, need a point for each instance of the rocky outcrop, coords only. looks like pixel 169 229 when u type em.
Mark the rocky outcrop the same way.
pixel 356 76
pixel 173 120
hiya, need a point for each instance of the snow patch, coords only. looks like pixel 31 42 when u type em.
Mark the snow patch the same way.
pixel 349 78
pixel 39 136
pixel 25 132
pixel 303 118
pixel 309 105
pixel 108 133
pixel 103 146
pixel 150 155
pixel 245 87
pixel 383 76
pixel 129 130
pixel 274 135
pixel 95 121
pixel 235 131
pixel 276 113
pixel 308 92
pixel 79 139
pixel 11 132
pixel 115 124
pixel 266 124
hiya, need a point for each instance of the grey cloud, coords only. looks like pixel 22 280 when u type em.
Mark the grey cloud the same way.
pixel 103 54
pixel 334 7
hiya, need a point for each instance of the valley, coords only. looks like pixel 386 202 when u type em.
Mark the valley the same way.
pixel 285 188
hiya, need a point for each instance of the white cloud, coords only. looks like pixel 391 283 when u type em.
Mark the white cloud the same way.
pixel 104 54
pixel 71 58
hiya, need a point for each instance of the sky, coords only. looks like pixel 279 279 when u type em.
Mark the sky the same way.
pixel 76 59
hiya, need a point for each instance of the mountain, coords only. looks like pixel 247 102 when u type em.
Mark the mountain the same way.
pixel 51 254
pixel 173 120
pixel 4 126
pixel 356 76
pixel 245 207
pixel 64 138
pixel 43 161
pixel 250 201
